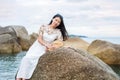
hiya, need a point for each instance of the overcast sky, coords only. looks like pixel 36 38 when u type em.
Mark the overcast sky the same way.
pixel 83 17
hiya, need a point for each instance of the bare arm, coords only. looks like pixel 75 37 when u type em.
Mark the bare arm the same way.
pixel 58 42
pixel 41 41
pixel 40 38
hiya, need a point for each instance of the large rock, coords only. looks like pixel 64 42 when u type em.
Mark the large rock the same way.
pixel 22 35
pixel 76 42
pixel 8 41
pixel 9 48
pixel 71 64
pixel 7 30
pixel 108 52
pixel 33 37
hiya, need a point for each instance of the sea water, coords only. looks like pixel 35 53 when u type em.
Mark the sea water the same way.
pixel 115 40
pixel 9 63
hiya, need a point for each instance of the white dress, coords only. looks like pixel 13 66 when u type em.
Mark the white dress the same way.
pixel 30 60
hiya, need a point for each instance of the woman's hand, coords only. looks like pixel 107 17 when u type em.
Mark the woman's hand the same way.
pixel 49 47
pixel 55 45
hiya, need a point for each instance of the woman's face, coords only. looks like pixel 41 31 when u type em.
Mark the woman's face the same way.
pixel 56 21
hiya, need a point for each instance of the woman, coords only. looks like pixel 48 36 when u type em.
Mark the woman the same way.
pixel 55 30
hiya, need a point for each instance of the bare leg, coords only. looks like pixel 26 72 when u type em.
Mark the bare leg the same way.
pixel 18 78
pixel 23 79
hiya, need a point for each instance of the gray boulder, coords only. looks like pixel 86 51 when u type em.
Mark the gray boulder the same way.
pixel 33 37
pixel 72 64
pixel 106 51
pixel 22 35
pixel 8 41
pixel 76 42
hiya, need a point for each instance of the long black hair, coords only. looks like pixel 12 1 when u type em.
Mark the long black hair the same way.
pixel 61 27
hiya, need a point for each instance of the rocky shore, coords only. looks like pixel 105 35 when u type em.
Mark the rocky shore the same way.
pixel 14 39
pixel 76 60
